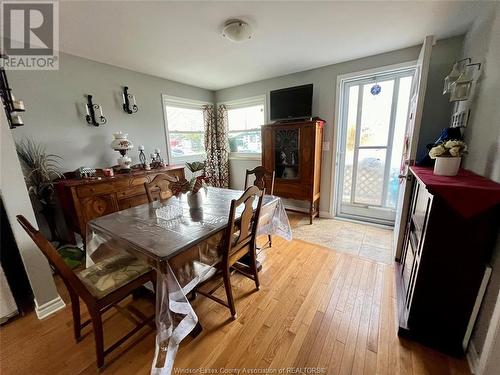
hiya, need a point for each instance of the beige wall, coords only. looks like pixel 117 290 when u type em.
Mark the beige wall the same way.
pixel 436 112
pixel 16 201
pixel 56 109
pixel 482 43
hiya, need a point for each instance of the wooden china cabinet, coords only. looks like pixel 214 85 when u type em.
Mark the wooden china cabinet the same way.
pixel 293 151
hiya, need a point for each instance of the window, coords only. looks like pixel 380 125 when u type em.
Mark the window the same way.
pixel 185 128
pixel 245 117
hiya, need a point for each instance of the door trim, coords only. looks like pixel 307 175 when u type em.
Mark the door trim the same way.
pixel 416 110
pixel 479 363
pixel 337 122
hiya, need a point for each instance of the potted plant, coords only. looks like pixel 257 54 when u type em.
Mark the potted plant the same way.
pixel 40 170
pixel 193 186
pixel 448 156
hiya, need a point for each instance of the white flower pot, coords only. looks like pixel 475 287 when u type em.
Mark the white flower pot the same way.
pixel 195 200
pixel 447 166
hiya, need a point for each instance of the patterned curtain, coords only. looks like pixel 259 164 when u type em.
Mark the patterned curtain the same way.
pixel 216 145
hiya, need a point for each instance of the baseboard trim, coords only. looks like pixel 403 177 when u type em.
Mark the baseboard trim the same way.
pixel 481 362
pixel 49 308
pixel 326 215
pixel 490 342
pixel 296 208
pixel 322 214
pixel 473 358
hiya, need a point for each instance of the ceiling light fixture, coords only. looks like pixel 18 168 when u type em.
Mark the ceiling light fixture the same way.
pixel 237 30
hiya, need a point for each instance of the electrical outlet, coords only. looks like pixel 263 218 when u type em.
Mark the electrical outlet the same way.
pixel 326 146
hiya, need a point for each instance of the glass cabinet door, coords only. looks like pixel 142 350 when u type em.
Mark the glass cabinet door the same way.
pixel 286 153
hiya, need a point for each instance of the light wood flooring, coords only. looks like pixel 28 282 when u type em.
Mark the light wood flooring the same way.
pixel 316 308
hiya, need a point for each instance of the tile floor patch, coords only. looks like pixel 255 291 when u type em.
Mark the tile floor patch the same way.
pixel 364 240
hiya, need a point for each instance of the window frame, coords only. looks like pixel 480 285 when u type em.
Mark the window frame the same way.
pixel 179 102
pixel 242 103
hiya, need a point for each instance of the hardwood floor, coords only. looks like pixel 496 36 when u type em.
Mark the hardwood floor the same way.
pixel 316 308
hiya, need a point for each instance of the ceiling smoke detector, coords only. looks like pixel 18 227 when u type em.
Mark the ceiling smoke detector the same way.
pixel 237 30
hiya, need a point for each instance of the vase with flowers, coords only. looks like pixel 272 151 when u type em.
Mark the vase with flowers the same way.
pixel 193 186
pixel 448 156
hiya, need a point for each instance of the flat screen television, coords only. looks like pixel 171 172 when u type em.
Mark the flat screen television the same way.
pixel 291 103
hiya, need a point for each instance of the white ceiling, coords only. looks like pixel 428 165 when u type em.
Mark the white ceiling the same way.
pixel 181 41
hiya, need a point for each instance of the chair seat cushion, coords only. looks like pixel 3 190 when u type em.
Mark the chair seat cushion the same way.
pixel 110 274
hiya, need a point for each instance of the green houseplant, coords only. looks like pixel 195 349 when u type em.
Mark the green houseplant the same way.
pixel 40 169
pixel 193 186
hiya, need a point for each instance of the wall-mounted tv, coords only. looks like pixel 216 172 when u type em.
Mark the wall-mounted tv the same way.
pixel 291 103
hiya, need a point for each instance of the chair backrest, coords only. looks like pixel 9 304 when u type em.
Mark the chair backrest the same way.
pixel 240 235
pixel 264 179
pixel 159 188
pixel 69 278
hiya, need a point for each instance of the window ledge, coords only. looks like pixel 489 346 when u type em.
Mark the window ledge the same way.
pixel 189 159
pixel 243 156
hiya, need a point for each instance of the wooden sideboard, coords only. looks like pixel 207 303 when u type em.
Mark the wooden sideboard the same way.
pixel 293 151
pixel 85 199
pixel 443 262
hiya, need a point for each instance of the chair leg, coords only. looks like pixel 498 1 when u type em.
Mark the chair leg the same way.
pixel 253 266
pixel 98 335
pixel 191 295
pixel 75 308
pixel 270 240
pixel 226 275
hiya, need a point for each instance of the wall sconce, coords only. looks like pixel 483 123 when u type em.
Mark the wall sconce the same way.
pixel 462 88
pixel 126 102
pixel 91 113
pixel 456 71
pixel 11 105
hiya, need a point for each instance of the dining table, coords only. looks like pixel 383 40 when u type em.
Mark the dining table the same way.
pixel 183 245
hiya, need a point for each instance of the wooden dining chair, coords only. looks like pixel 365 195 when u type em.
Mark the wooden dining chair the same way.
pixel 239 240
pixel 159 188
pixel 100 287
pixel 264 179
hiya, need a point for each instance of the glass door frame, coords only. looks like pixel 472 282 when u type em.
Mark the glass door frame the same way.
pixel 384 215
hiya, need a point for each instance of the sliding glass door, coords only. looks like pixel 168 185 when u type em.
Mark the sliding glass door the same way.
pixel 373 119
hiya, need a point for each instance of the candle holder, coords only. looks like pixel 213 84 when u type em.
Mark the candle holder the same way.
pixel 142 156
pixel 91 117
pixel 156 159
pixel 129 99
pixel 11 105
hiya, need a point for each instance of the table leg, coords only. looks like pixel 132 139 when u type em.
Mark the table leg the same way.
pixel 311 212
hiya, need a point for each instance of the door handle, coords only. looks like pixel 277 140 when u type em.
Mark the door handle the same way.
pixel 407 177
